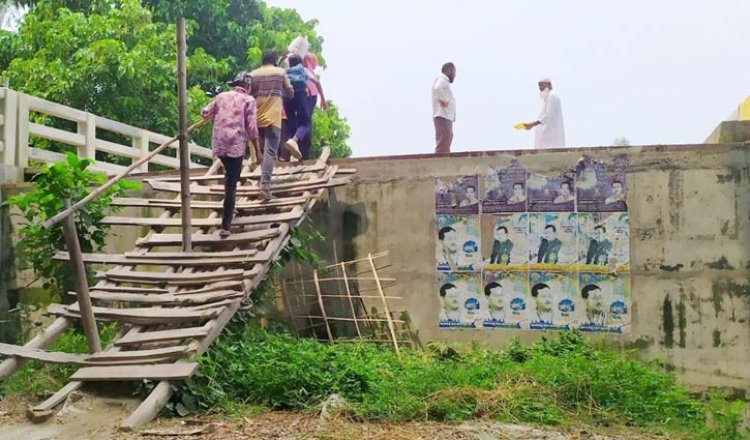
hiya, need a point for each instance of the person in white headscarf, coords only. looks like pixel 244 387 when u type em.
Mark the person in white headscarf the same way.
pixel 550 132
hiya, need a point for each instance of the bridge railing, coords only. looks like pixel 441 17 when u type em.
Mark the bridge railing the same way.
pixel 17 129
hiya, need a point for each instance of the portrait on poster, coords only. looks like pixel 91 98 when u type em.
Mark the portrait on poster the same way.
pixel 601 187
pixel 505 299
pixel 552 241
pixel 553 304
pixel 457 196
pixel 458 243
pixel 505 241
pixel 460 305
pixel 550 194
pixel 603 241
pixel 505 189
pixel 606 302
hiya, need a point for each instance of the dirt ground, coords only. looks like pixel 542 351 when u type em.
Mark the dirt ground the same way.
pixel 97 418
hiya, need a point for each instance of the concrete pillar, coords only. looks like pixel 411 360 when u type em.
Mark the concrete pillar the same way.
pixel 8 329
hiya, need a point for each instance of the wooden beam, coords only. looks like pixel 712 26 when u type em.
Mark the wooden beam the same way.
pixel 163 335
pixel 137 315
pixel 209 239
pixel 42 340
pixel 171 204
pixel 178 278
pixel 167 299
pixel 250 257
pixel 143 355
pixel 175 371
pixel 294 214
pixel 42 355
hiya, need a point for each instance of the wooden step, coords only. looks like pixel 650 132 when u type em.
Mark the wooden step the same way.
pixel 294 214
pixel 199 204
pixel 42 355
pixel 175 371
pixel 165 299
pixel 127 289
pixel 136 315
pixel 217 190
pixel 176 352
pixel 251 256
pixel 163 335
pixel 170 278
pixel 277 172
pixel 210 239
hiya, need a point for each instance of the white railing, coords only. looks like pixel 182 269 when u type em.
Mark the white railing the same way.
pixel 16 130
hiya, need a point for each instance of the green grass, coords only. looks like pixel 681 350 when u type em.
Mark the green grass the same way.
pixel 554 382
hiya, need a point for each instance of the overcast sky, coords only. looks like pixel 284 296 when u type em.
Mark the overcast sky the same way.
pixel 656 72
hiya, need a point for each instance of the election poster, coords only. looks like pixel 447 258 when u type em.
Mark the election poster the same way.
pixel 504 189
pixel 603 242
pixel 505 301
pixel 552 241
pixel 458 243
pixel 553 304
pixel 601 187
pixel 606 302
pixel 460 305
pixel 551 194
pixel 505 242
pixel 457 196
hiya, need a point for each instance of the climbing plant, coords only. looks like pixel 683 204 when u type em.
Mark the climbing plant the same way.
pixel 70 179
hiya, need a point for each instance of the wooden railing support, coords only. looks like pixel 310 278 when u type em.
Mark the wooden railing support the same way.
pixel 187 214
pixel 81 284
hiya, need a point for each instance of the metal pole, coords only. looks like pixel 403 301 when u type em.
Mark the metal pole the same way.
pixel 81 283
pixel 187 244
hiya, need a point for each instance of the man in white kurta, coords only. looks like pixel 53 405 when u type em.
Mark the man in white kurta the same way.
pixel 550 132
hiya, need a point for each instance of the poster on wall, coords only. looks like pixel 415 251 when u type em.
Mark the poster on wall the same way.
pixel 550 194
pixel 458 243
pixel 553 304
pixel 601 187
pixel 505 299
pixel 505 242
pixel 459 299
pixel 552 241
pixel 604 241
pixel 606 302
pixel 504 189
pixel 457 196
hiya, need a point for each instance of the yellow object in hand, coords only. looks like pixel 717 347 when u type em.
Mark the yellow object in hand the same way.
pixel 519 126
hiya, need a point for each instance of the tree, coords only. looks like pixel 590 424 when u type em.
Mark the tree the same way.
pixel 116 57
pixel 621 142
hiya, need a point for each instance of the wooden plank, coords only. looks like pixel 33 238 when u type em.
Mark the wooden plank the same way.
pixel 139 315
pixel 190 255
pixel 174 278
pixel 166 299
pixel 213 287
pixel 125 289
pixel 171 203
pixel 175 352
pixel 42 340
pixel 294 214
pixel 56 399
pixel 41 355
pixel 218 190
pixel 163 335
pixel 175 371
pixel 277 172
pixel 209 239
pixel 249 257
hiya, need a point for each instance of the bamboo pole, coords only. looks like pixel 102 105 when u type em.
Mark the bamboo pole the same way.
pixel 42 340
pixel 385 305
pixel 334 318
pixel 349 298
pixel 322 307
pixel 81 284
pixel 187 214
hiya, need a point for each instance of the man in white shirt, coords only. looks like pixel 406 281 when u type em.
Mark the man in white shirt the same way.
pixel 444 108
pixel 550 132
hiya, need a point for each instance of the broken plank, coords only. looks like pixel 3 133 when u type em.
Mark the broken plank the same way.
pixel 249 257
pixel 209 239
pixel 163 335
pixel 175 371
pixel 165 299
pixel 174 278
pixel 294 214
pixel 41 355
pixel 142 355
pixel 136 315
pixel 176 204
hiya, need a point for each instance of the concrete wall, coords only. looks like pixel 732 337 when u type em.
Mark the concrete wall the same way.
pixel 690 231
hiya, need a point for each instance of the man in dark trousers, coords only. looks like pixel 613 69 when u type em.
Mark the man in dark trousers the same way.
pixel 444 108
pixel 233 113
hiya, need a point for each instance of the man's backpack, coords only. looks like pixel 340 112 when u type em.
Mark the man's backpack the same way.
pixel 298 78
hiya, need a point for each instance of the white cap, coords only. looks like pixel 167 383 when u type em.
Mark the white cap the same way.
pixel 545 80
